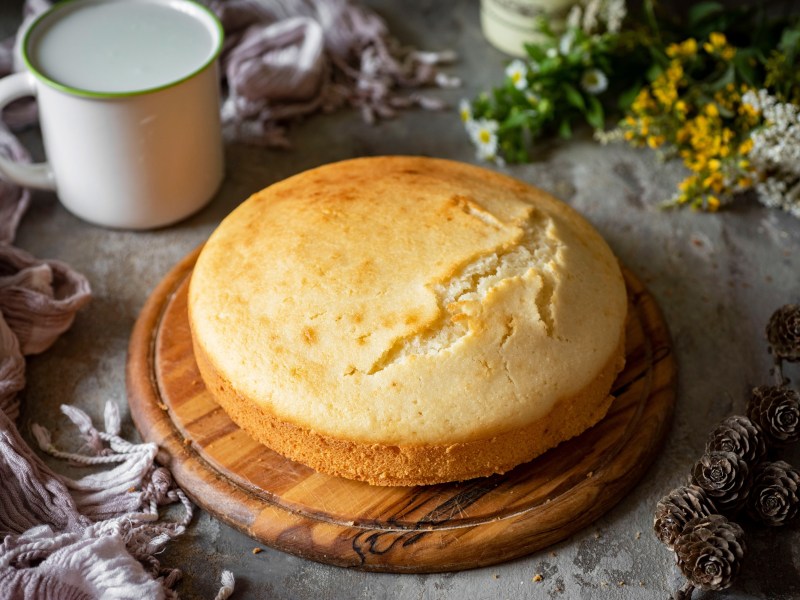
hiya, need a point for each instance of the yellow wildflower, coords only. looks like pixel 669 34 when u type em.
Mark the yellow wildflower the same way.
pixel 714 182
pixel 642 103
pixel 665 95
pixel 665 87
pixel 675 71
pixel 687 48
pixel 717 39
pixel 748 110
pixel 709 134
pixel 687 183
pixel 727 135
pixel 716 42
pixel 696 163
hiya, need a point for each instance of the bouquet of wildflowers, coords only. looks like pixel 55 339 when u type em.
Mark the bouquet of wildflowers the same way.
pixel 559 83
pixel 728 109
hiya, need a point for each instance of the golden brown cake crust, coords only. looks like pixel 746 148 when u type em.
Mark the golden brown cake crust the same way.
pixel 384 465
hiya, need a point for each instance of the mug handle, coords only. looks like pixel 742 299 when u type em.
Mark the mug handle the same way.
pixel 38 175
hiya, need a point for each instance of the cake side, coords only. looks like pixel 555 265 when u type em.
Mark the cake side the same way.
pixel 407 465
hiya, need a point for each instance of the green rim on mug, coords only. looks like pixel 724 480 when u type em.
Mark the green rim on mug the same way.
pixel 93 94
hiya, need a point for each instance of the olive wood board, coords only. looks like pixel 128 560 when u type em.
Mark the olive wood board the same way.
pixel 445 527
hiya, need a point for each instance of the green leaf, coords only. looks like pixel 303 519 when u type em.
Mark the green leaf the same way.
pixel 653 71
pixel 701 11
pixel 726 113
pixel 549 65
pixel 536 52
pixel 789 39
pixel 545 106
pixel 565 129
pixel 601 62
pixel 594 113
pixel 745 70
pixel 515 120
pixel 542 25
pixel 650 15
pixel 729 76
pixel 574 97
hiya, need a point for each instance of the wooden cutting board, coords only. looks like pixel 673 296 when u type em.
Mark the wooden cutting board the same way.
pixel 444 527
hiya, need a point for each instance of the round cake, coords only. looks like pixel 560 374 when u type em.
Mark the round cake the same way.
pixel 408 321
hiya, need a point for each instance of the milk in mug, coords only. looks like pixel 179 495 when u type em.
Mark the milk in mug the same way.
pixel 110 46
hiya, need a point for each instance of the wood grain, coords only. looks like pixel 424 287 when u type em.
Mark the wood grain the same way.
pixel 443 527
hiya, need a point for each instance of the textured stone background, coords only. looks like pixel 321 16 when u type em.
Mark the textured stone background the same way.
pixel 717 279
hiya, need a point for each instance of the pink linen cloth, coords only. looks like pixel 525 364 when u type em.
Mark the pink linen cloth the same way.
pixel 286 59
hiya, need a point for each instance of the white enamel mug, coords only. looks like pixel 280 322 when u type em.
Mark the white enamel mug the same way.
pixel 510 24
pixel 128 97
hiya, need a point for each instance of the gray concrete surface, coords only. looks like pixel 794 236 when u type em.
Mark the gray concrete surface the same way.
pixel 716 277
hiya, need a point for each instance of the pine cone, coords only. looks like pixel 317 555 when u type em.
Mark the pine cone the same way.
pixel 783 332
pixel 777 411
pixel 676 508
pixel 725 479
pixel 774 499
pixel 710 552
pixel 741 436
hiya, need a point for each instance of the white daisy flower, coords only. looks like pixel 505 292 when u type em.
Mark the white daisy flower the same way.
pixel 594 81
pixel 465 110
pixel 517 72
pixel 484 134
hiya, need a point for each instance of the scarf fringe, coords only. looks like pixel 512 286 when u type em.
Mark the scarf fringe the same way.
pixel 126 498
pixel 117 529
